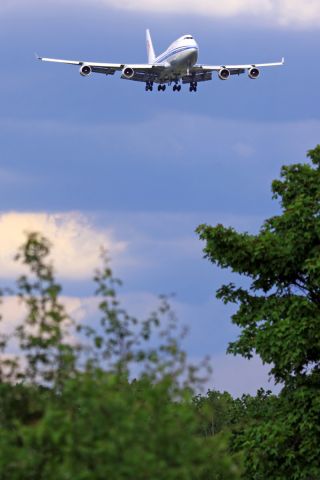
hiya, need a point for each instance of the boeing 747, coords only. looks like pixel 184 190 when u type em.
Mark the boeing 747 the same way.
pixel 176 66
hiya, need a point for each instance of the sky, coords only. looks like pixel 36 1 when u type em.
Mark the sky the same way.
pixel 98 161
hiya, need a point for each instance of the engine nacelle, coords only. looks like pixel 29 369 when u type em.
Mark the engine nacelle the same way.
pixel 128 72
pixel 224 74
pixel 85 70
pixel 254 73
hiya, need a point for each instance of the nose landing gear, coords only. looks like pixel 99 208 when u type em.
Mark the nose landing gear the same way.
pixel 193 87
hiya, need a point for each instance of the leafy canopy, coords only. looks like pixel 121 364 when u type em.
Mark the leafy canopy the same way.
pixel 69 406
pixel 279 319
pixel 279 313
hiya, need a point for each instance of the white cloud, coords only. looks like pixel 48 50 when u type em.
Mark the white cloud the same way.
pixel 276 12
pixel 297 12
pixel 207 7
pixel 13 310
pixel 76 243
pixel 12 313
pixel 283 13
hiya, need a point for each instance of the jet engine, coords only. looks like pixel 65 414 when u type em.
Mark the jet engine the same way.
pixel 254 73
pixel 85 70
pixel 128 72
pixel 224 74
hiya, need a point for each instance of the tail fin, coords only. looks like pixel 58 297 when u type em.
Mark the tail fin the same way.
pixel 150 49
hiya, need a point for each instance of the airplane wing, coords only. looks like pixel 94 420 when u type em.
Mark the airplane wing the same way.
pixel 138 72
pixel 150 73
pixel 204 72
pixel 217 68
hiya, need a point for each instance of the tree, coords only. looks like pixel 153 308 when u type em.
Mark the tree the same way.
pixel 215 412
pixel 73 410
pixel 43 335
pixel 279 318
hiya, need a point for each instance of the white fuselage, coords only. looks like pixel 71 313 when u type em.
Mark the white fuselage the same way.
pixel 181 56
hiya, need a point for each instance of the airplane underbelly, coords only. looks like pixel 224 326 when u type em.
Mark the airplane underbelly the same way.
pixel 180 63
pixel 184 60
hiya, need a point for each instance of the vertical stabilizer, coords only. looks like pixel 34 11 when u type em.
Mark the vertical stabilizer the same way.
pixel 150 49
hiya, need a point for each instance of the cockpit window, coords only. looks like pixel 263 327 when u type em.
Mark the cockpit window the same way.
pixel 188 37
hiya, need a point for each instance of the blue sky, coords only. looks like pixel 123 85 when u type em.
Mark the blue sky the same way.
pixel 98 160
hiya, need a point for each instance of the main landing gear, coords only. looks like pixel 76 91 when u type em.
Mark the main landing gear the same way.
pixel 176 87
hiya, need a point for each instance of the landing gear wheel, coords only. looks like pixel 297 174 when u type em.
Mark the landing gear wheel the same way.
pixel 193 86
pixel 149 86
pixel 179 88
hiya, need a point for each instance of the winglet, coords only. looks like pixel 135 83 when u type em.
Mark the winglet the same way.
pixel 282 61
pixel 37 56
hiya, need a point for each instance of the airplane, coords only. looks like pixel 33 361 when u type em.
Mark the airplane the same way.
pixel 177 65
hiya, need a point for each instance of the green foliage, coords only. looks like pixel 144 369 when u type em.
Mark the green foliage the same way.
pixel 279 318
pixel 252 410
pixel 285 444
pixel 70 409
pixel 99 428
pixel 42 336
pixel 215 412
